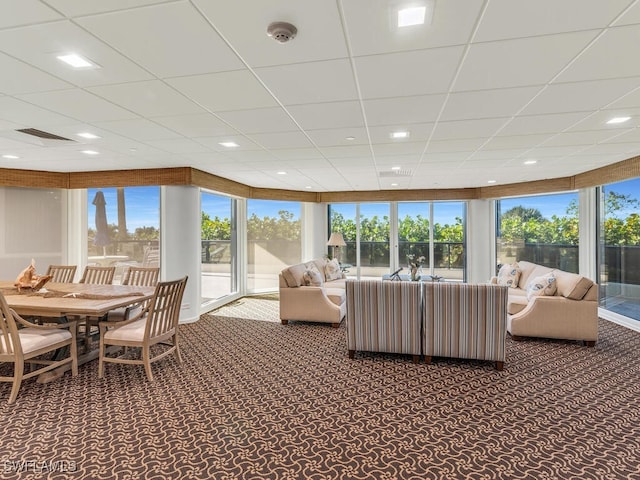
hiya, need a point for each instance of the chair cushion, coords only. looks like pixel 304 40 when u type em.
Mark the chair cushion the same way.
pixel 337 295
pixel 133 331
pixel 509 275
pixel 544 285
pixel 33 339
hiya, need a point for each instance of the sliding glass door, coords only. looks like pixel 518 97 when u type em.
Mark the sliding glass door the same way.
pixel 219 246
pixel 619 252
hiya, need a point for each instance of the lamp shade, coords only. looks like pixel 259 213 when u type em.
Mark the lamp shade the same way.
pixel 336 240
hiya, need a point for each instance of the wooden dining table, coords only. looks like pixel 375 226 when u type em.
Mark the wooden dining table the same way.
pixel 58 300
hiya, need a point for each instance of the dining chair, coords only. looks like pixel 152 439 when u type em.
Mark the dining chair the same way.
pixel 98 275
pixel 95 275
pixel 62 273
pixel 155 326
pixel 28 344
pixel 137 276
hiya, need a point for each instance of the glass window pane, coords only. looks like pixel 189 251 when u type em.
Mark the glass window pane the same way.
pixel 273 241
pixel 540 229
pixel 374 240
pixel 218 250
pixel 342 219
pixel 413 234
pixel 449 240
pixel 620 248
pixel 124 227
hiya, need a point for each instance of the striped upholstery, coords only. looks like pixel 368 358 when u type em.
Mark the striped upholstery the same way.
pixel 383 317
pixel 465 321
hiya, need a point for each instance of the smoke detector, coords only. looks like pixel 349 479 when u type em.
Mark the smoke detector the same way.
pixel 282 32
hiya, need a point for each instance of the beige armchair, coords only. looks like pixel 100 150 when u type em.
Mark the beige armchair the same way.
pixel 27 345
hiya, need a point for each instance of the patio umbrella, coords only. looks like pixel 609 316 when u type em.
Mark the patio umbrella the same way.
pixel 102 229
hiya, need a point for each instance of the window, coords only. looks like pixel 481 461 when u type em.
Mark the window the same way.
pixel 273 241
pixel 433 230
pixel 124 227
pixel 541 229
pixel 218 238
pixel 619 252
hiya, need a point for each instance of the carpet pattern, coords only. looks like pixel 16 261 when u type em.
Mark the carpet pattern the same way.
pixel 259 400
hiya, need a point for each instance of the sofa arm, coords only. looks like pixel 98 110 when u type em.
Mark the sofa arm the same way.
pixel 556 317
pixel 310 304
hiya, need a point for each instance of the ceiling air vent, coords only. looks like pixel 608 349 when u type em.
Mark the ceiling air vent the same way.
pixel 40 134
pixel 396 173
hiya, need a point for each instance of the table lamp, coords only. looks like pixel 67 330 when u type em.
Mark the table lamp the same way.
pixel 336 240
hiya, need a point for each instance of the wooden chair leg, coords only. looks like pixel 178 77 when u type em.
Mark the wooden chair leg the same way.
pixel 427 359
pixel 590 343
pixel 499 366
pixel 335 325
pixel 177 351
pixel 352 353
pixel 17 380
pixel 415 358
pixel 283 321
pixel 146 358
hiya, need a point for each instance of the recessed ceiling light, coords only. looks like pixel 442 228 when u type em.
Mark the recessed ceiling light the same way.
pixel 401 134
pixel 394 184
pixel 615 120
pixel 308 187
pixel 229 144
pixel 76 61
pixel 411 16
pixel 396 168
pixel 492 181
pixel 10 157
pixel 88 135
pixel 350 138
pixel 530 162
pixel 90 152
pixel 281 173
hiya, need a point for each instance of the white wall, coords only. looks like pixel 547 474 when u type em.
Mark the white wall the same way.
pixel 180 246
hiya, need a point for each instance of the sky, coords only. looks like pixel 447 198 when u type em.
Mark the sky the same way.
pixel 143 205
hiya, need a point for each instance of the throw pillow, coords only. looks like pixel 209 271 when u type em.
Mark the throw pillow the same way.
pixel 312 276
pixel 542 286
pixel 332 270
pixel 508 275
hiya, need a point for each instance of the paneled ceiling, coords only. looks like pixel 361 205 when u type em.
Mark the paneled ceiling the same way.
pixel 484 90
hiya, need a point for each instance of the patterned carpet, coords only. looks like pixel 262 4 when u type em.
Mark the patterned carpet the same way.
pixel 259 400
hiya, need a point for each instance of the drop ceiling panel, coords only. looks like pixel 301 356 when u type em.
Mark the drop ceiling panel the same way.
pixel 261 120
pixel 468 128
pixel 312 82
pixel 372 26
pixel 282 139
pixel 243 142
pixel 169 40
pixel 516 141
pixel 320 35
pixel 579 138
pixel 148 99
pixel 28 115
pixel 25 12
pixel 523 18
pixel 600 62
pixel 220 92
pixel 79 104
pixel 379 77
pixel 178 145
pixel 39 45
pixel 138 128
pixel 298 153
pixel 73 8
pixel 580 96
pixel 327 115
pixel 24 78
pixel 533 124
pixel 198 125
pixel 631 16
pixel 487 104
pixel 519 62
pixel 338 136
pixel 403 110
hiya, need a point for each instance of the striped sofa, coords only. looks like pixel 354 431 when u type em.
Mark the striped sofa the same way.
pixel 384 317
pixel 423 318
